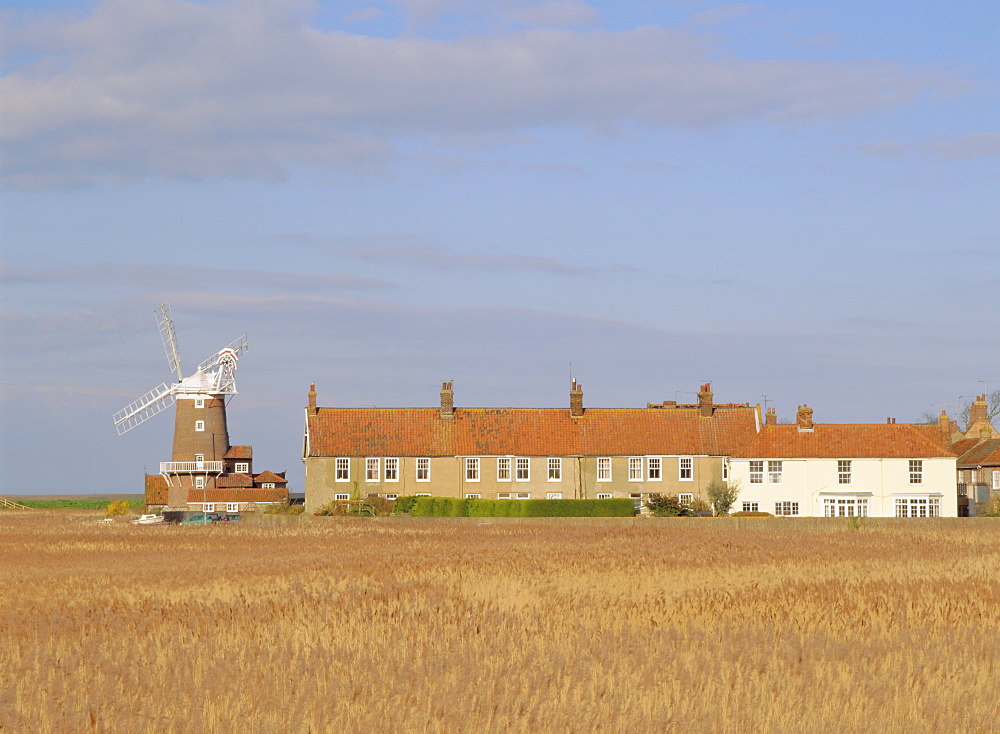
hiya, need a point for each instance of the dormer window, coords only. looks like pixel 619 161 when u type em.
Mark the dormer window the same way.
pixel 242 467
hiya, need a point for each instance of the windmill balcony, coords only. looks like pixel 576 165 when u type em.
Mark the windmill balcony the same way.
pixel 191 467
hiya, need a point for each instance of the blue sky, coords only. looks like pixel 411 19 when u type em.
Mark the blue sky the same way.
pixel 790 199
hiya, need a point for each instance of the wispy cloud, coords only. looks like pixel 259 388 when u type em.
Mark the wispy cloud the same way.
pixel 139 88
pixel 973 145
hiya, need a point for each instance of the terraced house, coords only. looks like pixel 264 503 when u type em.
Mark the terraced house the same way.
pixel 521 453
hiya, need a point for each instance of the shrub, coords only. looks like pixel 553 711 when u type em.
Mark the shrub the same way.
pixel 665 505
pixel 749 513
pixel 404 505
pixel 723 496
pixel 453 507
pixel 118 507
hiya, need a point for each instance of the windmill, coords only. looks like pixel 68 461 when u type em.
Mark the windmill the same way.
pixel 201 435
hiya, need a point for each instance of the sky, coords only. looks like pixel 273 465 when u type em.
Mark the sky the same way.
pixel 798 202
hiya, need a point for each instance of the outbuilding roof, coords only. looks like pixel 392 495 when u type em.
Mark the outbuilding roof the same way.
pixel 978 452
pixel 528 432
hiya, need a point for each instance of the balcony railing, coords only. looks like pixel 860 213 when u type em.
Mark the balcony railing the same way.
pixel 190 467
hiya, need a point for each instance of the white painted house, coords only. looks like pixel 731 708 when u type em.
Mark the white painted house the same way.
pixel 843 470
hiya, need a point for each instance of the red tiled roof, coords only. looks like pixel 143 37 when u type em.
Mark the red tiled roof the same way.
pixel 156 489
pixel 234 480
pixel 269 476
pixel 239 452
pixel 528 432
pixel 844 441
pixel 237 495
pixel 981 452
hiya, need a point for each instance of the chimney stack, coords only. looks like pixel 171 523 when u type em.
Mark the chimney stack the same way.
pixel 705 400
pixel 979 411
pixel 447 400
pixel 771 418
pixel 944 429
pixel 312 400
pixel 576 399
pixel 804 418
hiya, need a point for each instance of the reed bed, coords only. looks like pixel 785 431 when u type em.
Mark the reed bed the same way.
pixel 352 625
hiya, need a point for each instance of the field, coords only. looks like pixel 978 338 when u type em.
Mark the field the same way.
pixel 443 626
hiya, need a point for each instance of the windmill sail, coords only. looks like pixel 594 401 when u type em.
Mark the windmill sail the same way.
pixel 138 411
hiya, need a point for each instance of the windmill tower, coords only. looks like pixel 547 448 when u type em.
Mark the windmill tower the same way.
pixel 201 434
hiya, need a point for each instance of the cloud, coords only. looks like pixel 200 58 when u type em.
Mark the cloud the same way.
pixel 444 259
pixel 180 89
pixel 884 149
pixel 364 15
pixel 722 14
pixel 973 145
pixel 152 275
pixel 556 14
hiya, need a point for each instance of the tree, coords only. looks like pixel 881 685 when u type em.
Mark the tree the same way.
pixel 723 496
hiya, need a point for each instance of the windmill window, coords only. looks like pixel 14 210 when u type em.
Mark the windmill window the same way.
pixel 199 402
pixel 199 482
pixel 199 425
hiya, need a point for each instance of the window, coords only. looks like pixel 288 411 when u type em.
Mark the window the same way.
pixel 635 469
pixel 472 470
pixel 523 496
pixel 473 496
pixel 208 507
pixel 232 507
pixel 199 482
pixel 685 498
pixel 503 495
pixel 686 469
pixel 774 472
pixel 725 470
pixel 845 507
pixel 756 472
pixel 267 485
pixel 996 479
pixel 341 497
pixel 242 467
pixel 604 470
pixel 392 496
pixel 423 470
pixel 654 469
pixel 523 469
pixel 422 494
pixel 749 507
pixel 503 470
pixel 199 402
pixel 916 472
pixel 342 471
pixel 392 470
pixel 199 425
pixel 553 495
pixel 555 471
pixel 604 495
pixel 844 471
pixel 372 469
pixel 786 508
pixel 918 507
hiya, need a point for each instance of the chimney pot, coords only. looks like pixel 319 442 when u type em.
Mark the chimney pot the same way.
pixel 705 407
pixel 312 399
pixel 576 399
pixel 447 401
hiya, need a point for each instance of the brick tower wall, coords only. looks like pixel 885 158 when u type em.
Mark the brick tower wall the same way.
pixel 213 442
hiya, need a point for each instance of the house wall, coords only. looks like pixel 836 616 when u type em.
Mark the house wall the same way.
pixel 810 481
pixel 579 478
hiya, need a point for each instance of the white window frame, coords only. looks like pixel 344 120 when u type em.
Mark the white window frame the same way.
pixel 845 507
pixel 199 402
pixel 725 470
pixel 654 468
pixel 390 469
pixel 605 496
pixel 916 471
pixel 199 426
pixel 685 498
pixel 199 482
pixel 423 469
pixel 756 471
pixel 635 468
pixel 604 469
pixel 472 467
pixel 555 469
pixel 917 506
pixel 503 495
pixel 341 497
pixel 844 474
pixel 785 508
pixel 503 469
pixel 422 494
pixel 473 496
pixel 553 495
pixel 522 469
pixel 522 496
pixel 751 507
pixel 341 469
pixel 775 472
pixel 685 469
pixel 996 479
pixel 373 469
pixel 208 507
pixel 392 496
pixel 242 467
pixel 232 507
pixel 267 485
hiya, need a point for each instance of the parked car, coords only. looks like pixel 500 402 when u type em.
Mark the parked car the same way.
pixel 201 518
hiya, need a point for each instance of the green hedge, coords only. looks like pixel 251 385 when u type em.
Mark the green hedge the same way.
pixel 453 507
